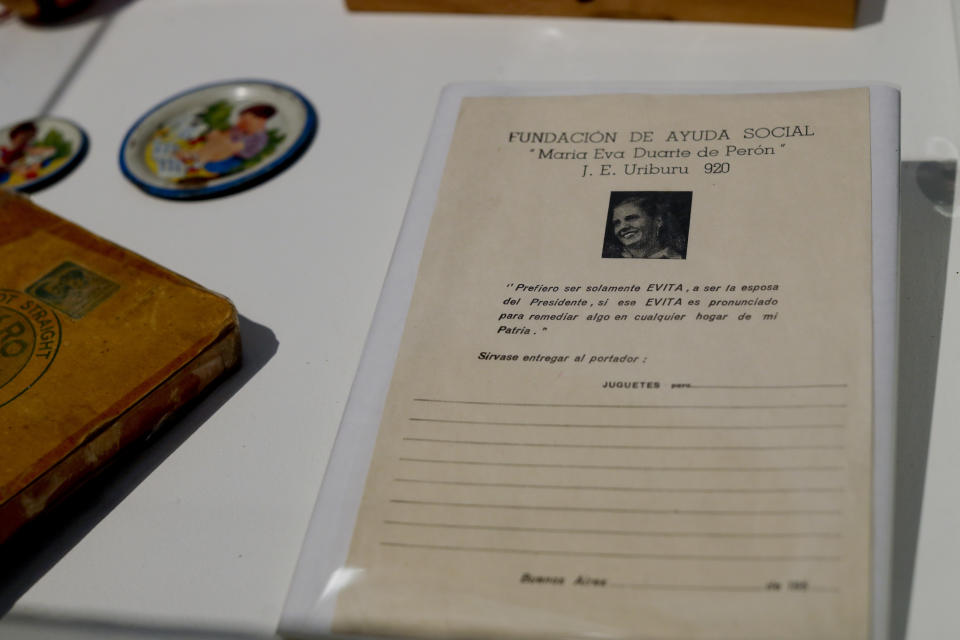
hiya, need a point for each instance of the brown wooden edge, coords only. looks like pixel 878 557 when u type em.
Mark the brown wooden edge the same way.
pixel 141 420
pixel 816 13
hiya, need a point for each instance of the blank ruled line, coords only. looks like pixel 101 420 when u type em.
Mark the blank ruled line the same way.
pixel 789 447
pixel 614 554
pixel 511 485
pixel 839 405
pixel 604 467
pixel 627 426
pixel 715 588
pixel 699 512
pixel 767 386
pixel 620 532
pixel 689 587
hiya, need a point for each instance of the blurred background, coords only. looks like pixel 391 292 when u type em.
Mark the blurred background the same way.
pixel 197 535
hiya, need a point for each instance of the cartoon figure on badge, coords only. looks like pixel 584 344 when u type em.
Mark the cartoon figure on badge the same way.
pixel 218 141
pixel 25 159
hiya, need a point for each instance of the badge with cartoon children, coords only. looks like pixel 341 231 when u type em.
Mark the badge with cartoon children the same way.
pixel 38 152
pixel 217 139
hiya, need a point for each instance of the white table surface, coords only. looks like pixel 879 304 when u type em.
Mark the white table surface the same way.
pixel 201 531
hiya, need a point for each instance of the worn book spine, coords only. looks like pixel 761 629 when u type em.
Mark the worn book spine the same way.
pixel 134 425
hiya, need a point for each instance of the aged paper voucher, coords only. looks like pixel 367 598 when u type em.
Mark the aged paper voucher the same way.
pixel 633 395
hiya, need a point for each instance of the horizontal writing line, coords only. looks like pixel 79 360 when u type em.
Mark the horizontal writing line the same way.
pixel 605 467
pixel 637 406
pixel 714 587
pixel 702 512
pixel 687 587
pixel 613 554
pixel 511 485
pixel 768 386
pixel 628 426
pixel 631 446
pixel 620 532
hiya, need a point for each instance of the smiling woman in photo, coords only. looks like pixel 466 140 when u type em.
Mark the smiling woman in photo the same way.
pixel 647 224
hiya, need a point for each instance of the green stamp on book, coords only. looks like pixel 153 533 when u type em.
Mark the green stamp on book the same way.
pixel 73 289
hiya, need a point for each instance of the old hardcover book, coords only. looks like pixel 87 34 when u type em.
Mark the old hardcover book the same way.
pixel 645 383
pixel 98 347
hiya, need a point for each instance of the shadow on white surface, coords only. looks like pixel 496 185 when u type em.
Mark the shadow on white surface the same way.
pixel 102 10
pixel 926 206
pixel 28 627
pixel 870 12
pixel 38 546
